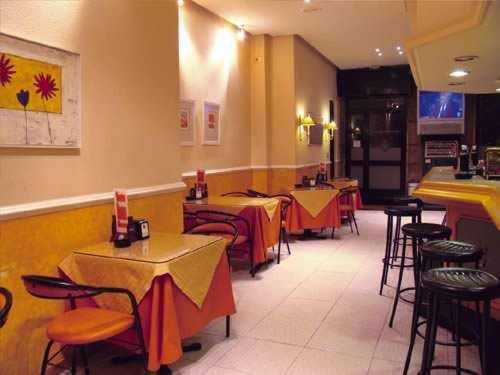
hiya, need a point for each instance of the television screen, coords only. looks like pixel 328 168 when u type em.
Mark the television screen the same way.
pixel 440 106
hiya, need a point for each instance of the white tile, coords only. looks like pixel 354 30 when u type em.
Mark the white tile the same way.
pixel 318 362
pixel 346 337
pixel 259 357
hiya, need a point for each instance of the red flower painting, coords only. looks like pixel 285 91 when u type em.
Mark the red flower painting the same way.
pixel 46 86
pixel 6 70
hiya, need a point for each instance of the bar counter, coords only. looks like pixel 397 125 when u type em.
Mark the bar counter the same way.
pixel 461 196
pixel 473 214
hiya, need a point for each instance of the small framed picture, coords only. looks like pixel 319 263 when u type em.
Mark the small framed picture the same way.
pixel 186 125
pixel 211 124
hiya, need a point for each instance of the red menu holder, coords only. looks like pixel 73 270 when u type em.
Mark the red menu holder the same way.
pixel 121 237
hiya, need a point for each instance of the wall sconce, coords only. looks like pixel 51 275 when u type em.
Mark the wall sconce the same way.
pixel 306 123
pixel 332 128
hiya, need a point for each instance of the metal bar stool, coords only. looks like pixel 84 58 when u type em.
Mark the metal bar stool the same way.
pixel 461 284
pixel 441 252
pixel 418 233
pixel 393 240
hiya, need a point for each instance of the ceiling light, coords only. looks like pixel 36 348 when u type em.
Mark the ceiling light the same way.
pixel 180 3
pixel 241 33
pixel 466 58
pixel 377 50
pixel 497 90
pixel 379 54
pixel 400 52
pixel 307 1
pixel 457 73
pixel 398 48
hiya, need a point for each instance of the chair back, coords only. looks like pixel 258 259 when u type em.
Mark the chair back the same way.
pixel 346 196
pixel 47 287
pixel 5 305
pixel 257 194
pixel 236 194
pixel 286 201
pixel 240 222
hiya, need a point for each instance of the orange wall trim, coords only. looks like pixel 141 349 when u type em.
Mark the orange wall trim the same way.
pixel 37 244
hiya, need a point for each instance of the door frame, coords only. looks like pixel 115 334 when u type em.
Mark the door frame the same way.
pixel 366 163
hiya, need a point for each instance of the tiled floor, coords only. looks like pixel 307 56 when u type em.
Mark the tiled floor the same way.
pixel 318 312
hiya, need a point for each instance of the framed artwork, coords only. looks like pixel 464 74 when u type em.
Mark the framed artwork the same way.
pixel 40 103
pixel 211 124
pixel 187 125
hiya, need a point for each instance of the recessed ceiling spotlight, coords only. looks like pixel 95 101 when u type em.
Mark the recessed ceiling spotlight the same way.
pixel 457 73
pixel 379 54
pixel 307 1
pixel 497 90
pixel 180 3
pixel 377 50
pixel 466 58
pixel 398 48
pixel 400 52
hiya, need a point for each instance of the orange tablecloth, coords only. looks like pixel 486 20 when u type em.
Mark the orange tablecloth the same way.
pixel 168 315
pixel 299 218
pixel 263 232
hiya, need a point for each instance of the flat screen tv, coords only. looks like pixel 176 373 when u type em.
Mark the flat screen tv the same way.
pixel 440 112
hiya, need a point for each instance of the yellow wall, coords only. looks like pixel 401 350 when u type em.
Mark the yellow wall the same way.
pixel 215 67
pixel 130 96
pixel 315 85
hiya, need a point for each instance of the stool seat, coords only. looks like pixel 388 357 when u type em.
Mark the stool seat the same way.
pixel 407 201
pixel 451 251
pixel 402 211
pixel 428 231
pixel 462 283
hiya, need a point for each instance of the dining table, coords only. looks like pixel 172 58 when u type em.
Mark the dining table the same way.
pixel 262 215
pixel 313 208
pixel 181 282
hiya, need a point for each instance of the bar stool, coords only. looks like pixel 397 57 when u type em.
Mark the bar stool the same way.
pixel 444 252
pixel 418 232
pixel 392 241
pixel 461 284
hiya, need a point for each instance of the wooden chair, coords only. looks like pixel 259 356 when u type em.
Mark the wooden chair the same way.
pixel 81 326
pixel 236 194
pixel 286 200
pixel 5 305
pixel 244 238
pixel 348 206
pixel 257 194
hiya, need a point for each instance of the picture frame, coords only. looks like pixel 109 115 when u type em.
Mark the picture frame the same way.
pixel 40 106
pixel 187 126
pixel 211 124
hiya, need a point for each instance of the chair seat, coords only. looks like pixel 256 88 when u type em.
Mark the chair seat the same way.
pixel 451 251
pixel 240 240
pixel 426 230
pixel 462 283
pixel 87 325
pixel 402 211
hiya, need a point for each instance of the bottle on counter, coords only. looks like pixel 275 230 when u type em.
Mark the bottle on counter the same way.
pixel 474 156
pixel 463 159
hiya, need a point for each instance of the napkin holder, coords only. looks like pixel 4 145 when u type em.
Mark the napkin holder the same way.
pixel 136 230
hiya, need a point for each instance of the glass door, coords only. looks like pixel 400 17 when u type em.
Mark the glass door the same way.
pixel 376 147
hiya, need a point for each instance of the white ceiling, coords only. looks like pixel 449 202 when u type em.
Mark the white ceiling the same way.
pixel 346 32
